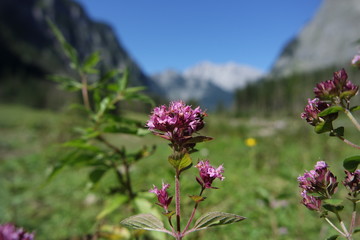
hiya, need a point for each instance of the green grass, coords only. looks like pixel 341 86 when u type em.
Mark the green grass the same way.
pixel 260 181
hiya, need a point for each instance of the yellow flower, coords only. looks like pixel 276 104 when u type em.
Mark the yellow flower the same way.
pixel 250 142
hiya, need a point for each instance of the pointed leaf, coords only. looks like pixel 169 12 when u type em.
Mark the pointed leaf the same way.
pixel 322 127
pixel 91 62
pixel 197 199
pixel 351 163
pixel 337 132
pixel 182 162
pixel 123 81
pixel 199 139
pixel 334 237
pixel 357 230
pixel 144 221
pixel 333 205
pixel 330 110
pixel 212 219
pixel 355 108
pixel 111 205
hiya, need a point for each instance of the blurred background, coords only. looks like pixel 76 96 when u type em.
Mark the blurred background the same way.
pixel 251 64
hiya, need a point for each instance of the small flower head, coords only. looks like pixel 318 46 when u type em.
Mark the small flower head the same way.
pixel 311 202
pixel 208 173
pixel 352 182
pixel 320 180
pixel 325 90
pixel 250 142
pixel 177 122
pixel 356 61
pixel 10 232
pixel 163 198
pixel 340 78
pixel 311 111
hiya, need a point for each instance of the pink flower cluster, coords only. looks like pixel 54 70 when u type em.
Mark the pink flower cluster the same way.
pixel 320 181
pixel 208 173
pixel 10 232
pixel 356 61
pixel 311 111
pixel 176 122
pixel 338 87
pixel 163 198
pixel 352 182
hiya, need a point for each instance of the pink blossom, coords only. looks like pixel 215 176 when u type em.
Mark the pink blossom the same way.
pixel 163 198
pixel 208 173
pixel 311 202
pixel 10 232
pixel 177 122
pixel 311 111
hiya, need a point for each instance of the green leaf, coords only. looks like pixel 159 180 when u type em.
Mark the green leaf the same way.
pixel 357 230
pixel 199 139
pixel 197 199
pixel 355 108
pixel 109 75
pixel 111 205
pixel 144 221
pixel 96 175
pixel 323 127
pixel 123 81
pixel 351 163
pixel 68 49
pixel 81 144
pixel 213 219
pixel 334 237
pixel 330 110
pixel 181 162
pixel 337 132
pixel 66 83
pixel 333 205
pixel 90 62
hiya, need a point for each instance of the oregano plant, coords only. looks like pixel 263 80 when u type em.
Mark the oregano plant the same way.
pixel 179 124
pixel 320 186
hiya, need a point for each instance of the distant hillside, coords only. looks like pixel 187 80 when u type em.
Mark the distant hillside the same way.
pixel 329 39
pixel 29 50
pixel 211 85
pixel 325 45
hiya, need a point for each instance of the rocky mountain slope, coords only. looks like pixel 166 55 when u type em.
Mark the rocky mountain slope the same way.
pixel 329 39
pixel 212 85
pixel 29 50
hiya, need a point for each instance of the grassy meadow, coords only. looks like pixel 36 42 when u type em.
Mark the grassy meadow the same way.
pixel 260 181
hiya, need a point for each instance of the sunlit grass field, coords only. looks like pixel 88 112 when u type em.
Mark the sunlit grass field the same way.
pixel 260 181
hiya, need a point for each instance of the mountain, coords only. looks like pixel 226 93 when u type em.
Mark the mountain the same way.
pixel 29 52
pixel 228 76
pixel 211 85
pixel 329 39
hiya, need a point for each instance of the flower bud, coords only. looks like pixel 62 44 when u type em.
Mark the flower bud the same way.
pixel 208 173
pixel 352 182
pixel 311 111
pixel 311 202
pixel 163 198
pixel 320 181
pixel 356 61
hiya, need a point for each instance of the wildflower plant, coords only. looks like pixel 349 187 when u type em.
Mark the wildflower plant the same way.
pixel 9 231
pixel 319 186
pixel 93 148
pixel 179 124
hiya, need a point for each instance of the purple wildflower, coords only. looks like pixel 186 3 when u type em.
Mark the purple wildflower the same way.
pixel 162 195
pixel 320 180
pixel 340 78
pixel 311 111
pixel 10 232
pixel 311 202
pixel 352 182
pixel 356 61
pixel 208 173
pixel 177 122
pixel 325 90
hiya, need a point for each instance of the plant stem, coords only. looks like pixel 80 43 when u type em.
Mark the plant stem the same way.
pixel 348 142
pixel 347 235
pixel 353 218
pixel 351 117
pixel 84 91
pixel 177 204
pixel 333 225
pixel 193 213
pixel 127 182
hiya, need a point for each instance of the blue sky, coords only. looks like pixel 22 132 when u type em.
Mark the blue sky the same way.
pixel 163 34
